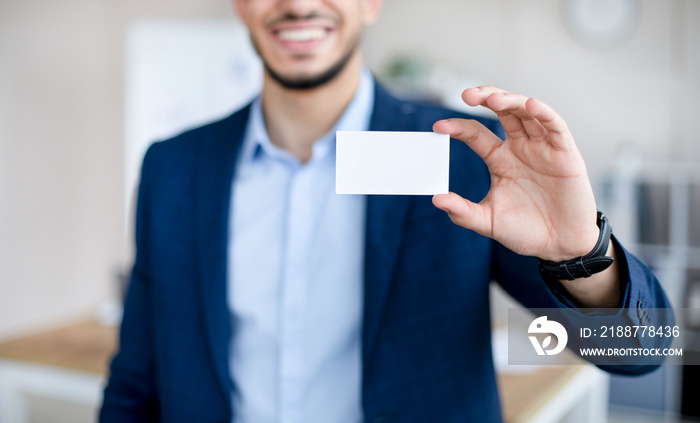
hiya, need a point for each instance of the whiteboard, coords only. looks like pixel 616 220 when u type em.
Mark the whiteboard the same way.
pixel 181 74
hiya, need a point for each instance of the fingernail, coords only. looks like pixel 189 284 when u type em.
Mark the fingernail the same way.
pixel 444 121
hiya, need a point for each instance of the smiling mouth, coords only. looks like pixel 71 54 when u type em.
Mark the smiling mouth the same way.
pixel 302 34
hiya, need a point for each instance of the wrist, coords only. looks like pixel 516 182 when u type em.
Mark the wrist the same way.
pixel 602 290
pixel 589 264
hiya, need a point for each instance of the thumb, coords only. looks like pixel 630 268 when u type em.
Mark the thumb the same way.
pixel 465 213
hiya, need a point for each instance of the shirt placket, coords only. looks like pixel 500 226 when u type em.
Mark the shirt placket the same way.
pixel 294 294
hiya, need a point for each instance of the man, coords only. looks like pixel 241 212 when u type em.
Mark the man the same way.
pixel 259 295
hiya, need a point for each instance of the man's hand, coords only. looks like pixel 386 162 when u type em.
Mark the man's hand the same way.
pixel 541 202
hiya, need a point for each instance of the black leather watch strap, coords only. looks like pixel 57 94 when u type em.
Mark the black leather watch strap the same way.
pixel 582 267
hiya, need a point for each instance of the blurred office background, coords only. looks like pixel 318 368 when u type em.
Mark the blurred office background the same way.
pixel 623 73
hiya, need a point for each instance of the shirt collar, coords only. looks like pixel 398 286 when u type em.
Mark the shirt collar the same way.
pixel 356 117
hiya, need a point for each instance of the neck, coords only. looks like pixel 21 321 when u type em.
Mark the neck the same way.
pixel 295 119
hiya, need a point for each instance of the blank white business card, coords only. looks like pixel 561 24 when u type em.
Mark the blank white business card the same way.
pixel 398 163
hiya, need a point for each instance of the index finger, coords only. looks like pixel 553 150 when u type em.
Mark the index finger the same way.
pixel 472 133
pixel 521 115
pixel 478 97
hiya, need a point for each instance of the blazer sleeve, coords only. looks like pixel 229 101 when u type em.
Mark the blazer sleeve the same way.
pixel 640 290
pixel 130 394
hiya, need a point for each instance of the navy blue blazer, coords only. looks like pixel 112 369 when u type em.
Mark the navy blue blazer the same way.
pixel 426 342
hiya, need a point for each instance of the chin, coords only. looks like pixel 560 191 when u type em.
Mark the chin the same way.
pixel 301 68
pixel 309 77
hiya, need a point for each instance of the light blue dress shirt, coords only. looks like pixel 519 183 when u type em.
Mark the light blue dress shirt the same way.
pixel 295 279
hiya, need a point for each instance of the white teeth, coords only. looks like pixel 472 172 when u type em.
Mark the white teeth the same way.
pixel 300 35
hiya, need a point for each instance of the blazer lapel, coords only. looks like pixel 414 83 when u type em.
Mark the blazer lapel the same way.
pixel 212 199
pixel 385 220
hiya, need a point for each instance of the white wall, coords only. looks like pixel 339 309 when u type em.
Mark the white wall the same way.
pixel 61 115
pixel 61 153
pixel 644 92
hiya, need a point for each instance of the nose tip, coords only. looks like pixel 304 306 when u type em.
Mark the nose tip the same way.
pixel 300 8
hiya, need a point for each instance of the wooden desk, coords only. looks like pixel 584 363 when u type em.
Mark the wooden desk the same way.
pixel 571 394
pixel 56 376
pixel 74 361
pixel 85 346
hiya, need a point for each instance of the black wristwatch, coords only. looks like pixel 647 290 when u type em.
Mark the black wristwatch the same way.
pixel 582 267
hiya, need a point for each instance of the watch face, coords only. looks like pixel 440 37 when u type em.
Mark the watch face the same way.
pixel 601 24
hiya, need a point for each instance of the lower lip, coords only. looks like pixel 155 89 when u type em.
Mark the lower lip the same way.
pixel 302 46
